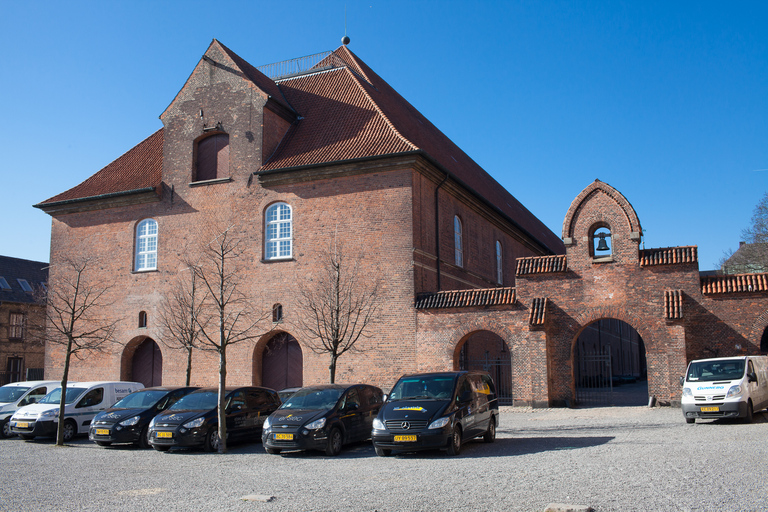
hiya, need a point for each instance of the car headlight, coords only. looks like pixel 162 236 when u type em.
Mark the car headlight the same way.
pixel 267 423
pixel 440 423
pixel 687 392
pixel 315 424
pixel 194 423
pixel 734 391
pixel 130 421
pixel 50 413
pixel 378 424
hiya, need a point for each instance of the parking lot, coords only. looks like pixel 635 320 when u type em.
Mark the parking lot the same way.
pixel 621 458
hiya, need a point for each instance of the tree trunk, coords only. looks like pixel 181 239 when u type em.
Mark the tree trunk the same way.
pixel 333 368
pixel 189 364
pixel 63 400
pixel 222 395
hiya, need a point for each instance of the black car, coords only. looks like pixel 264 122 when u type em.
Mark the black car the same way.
pixel 437 410
pixel 128 420
pixel 323 418
pixel 194 421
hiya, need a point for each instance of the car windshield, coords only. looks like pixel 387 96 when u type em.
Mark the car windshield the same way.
pixel 54 397
pixel 203 401
pixel 432 386
pixel 314 399
pixel 11 393
pixel 140 400
pixel 708 371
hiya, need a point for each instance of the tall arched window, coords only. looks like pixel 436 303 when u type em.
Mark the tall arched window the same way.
pixel 213 157
pixel 277 313
pixel 458 242
pixel 146 245
pixel 142 319
pixel 499 272
pixel 278 232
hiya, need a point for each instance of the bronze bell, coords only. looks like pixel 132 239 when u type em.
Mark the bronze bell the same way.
pixel 602 245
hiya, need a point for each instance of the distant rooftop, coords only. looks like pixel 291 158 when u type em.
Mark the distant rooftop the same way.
pixel 302 65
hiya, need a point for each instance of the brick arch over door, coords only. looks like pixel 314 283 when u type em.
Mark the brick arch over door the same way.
pixel 142 361
pixel 278 361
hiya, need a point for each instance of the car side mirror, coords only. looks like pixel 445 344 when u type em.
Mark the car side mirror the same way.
pixel 384 397
pixel 682 380
pixel 465 397
pixel 351 407
pixel 751 377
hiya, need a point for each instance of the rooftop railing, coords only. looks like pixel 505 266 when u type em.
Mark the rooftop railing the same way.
pixel 302 65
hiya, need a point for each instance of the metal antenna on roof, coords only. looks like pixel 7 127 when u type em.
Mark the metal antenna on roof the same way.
pixel 345 39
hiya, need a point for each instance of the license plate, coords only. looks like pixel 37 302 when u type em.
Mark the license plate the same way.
pixel 22 425
pixel 710 409
pixel 165 434
pixel 102 432
pixel 283 437
pixel 405 439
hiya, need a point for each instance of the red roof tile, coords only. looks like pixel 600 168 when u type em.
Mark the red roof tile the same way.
pixel 139 168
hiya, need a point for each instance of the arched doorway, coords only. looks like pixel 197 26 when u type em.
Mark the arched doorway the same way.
pixel 147 364
pixel 282 363
pixel 609 365
pixel 487 351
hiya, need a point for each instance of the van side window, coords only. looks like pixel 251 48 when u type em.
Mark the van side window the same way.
pixel 93 397
pixel 464 388
pixel 33 396
pixel 351 399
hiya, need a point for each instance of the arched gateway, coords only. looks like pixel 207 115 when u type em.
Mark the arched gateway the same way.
pixel 678 313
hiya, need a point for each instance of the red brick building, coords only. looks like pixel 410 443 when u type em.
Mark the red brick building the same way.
pixel 286 164
pixel 287 158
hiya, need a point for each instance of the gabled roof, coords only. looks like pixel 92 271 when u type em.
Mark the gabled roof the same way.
pixel 13 269
pixel 345 113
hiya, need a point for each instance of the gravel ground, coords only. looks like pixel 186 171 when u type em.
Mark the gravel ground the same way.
pixel 620 458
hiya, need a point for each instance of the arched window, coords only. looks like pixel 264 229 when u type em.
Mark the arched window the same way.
pixel 601 242
pixel 458 243
pixel 278 232
pixel 142 319
pixel 277 313
pixel 499 272
pixel 146 245
pixel 213 157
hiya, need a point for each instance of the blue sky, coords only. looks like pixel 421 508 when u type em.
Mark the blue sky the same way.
pixel 665 101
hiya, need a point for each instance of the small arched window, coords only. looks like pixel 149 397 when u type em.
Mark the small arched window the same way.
pixel 213 157
pixel 142 319
pixel 499 272
pixel 278 232
pixel 458 242
pixel 277 313
pixel 146 245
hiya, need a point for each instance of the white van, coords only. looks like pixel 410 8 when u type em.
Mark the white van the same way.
pixel 725 387
pixel 19 394
pixel 83 401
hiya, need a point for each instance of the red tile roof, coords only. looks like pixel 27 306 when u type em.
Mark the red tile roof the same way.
pixel 139 168
pixel 345 113
pixel 467 298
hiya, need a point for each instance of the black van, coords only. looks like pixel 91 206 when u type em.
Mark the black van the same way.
pixel 323 418
pixel 437 410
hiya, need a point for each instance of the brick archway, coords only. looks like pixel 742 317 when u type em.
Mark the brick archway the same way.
pixel 257 357
pixel 129 351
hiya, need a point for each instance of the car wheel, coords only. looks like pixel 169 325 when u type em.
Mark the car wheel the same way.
pixel 690 420
pixel 104 443
pixel 382 452
pixel 70 429
pixel 6 432
pixel 454 446
pixel 27 437
pixel 211 443
pixel 750 413
pixel 272 451
pixel 334 443
pixel 143 441
pixel 161 448
pixel 490 434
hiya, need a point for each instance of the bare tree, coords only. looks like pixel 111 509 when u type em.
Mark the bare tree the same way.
pixel 752 254
pixel 180 317
pixel 75 317
pixel 225 314
pixel 338 307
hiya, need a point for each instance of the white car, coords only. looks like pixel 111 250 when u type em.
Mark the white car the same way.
pixel 83 401
pixel 19 394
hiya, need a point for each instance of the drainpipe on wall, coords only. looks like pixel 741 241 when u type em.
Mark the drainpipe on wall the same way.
pixel 437 231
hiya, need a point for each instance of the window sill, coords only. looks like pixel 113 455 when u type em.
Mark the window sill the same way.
pixel 146 271
pixel 604 259
pixel 209 182
pixel 278 260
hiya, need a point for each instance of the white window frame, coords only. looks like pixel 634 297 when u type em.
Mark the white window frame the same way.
pixel 146 245
pixel 458 241
pixel 278 232
pixel 499 261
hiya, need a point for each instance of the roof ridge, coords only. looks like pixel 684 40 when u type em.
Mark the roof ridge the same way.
pixel 379 110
